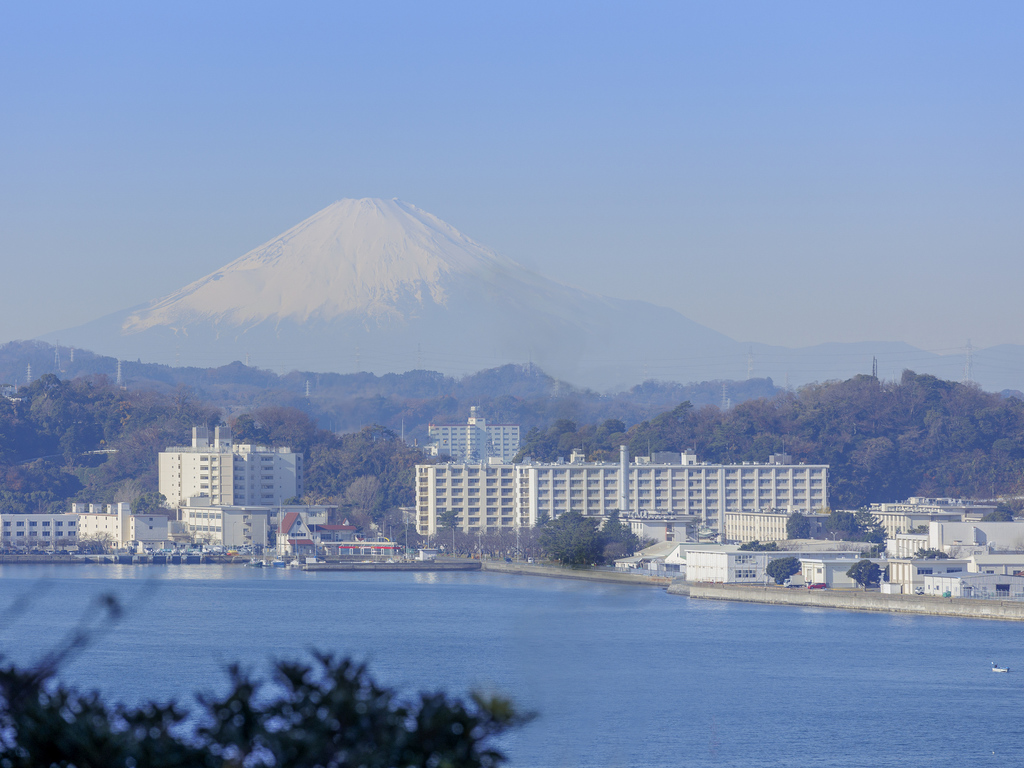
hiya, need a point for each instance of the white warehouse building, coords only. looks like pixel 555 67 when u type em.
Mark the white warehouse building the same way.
pixel 229 474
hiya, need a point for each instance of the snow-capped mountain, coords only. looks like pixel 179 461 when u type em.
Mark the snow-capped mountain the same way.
pixel 382 286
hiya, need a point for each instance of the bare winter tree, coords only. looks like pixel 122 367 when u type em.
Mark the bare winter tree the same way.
pixel 363 494
pixel 129 491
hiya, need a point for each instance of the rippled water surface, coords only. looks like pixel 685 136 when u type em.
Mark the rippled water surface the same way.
pixel 620 675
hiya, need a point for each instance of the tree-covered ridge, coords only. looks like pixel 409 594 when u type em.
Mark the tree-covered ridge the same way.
pixel 884 441
pixel 511 394
pixel 87 440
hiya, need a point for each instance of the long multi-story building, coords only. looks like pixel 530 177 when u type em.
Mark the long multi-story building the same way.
pixel 493 495
pixel 38 531
pixel 229 474
pixel 474 441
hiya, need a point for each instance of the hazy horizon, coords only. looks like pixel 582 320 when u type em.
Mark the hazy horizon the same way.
pixel 789 175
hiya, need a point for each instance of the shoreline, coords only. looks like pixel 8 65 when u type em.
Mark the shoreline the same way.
pixel 559 572
pixel 854 600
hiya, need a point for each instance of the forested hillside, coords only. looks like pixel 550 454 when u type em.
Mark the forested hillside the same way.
pixel 518 394
pixel 87 439
pixel 884 441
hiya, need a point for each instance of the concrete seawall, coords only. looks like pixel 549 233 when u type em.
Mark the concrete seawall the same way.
pixel 470 565
pixel 964 608
pixel 557 572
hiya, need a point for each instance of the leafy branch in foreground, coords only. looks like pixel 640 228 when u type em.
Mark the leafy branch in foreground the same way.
pixel 327 713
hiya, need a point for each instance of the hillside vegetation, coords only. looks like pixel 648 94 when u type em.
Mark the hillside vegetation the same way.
pixel 86 439
pixel 884 441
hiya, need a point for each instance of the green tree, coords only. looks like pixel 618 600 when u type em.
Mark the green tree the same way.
pixel 618 539
pixel 931 554
pixel 798 526
pixel 152 501
pixel 572 539
pixel 757 546
pixel 998 515
pixel 336 715
pixel 865 573
pixel 782 568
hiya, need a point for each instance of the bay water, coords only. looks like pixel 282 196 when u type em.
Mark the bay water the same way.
pixel 618 675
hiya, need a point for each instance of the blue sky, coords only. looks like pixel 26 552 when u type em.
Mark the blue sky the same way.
pixel 788 173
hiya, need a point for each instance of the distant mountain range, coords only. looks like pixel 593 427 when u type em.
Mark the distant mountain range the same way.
pixel 382 286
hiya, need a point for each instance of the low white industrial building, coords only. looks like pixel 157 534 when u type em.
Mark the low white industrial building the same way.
pixel 733 566
pixel 908 574
pixel 978 585
pixel 831 571
pixel 997 563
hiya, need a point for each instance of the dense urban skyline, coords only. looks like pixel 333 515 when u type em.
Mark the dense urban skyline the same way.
pixel 791 174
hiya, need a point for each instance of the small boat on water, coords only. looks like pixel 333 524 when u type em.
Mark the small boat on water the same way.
pixel 997 668
pixel 254 563
pixel 279 563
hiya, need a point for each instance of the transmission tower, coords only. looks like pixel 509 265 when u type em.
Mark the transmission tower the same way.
pixel 874 367
pixel 307 389
pixel 419 358
pixel 750 363
pixel 56 358
pixel 726 402
pixel 72 354
pixel 969 363
pixel 119 373
pixel 28 374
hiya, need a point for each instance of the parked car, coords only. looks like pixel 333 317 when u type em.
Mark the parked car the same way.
pixel 817 586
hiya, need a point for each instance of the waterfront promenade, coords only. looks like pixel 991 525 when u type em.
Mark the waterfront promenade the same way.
pixel 854 600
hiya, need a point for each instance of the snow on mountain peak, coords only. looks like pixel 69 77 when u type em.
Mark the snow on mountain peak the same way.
pixel 368 256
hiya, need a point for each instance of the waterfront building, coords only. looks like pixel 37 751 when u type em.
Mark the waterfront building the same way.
pixel 831 570
pixel 475 441
pixel 229 474
pixel 668 486
pixel 730 565
pixel 243 525
pixel 38 531
pixel 918 511
pixel 978 585
pixel 114 525
pixel 906 575
pixel 999 563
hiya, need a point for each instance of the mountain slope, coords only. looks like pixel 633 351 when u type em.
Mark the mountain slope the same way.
pixel 380 285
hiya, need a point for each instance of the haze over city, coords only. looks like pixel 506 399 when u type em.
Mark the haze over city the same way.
pixel 784 174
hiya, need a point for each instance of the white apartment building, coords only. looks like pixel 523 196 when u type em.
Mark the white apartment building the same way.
pixel 495 495
pixel 475 441
pixel 229 474
pixel 483 495
pixel 42 531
